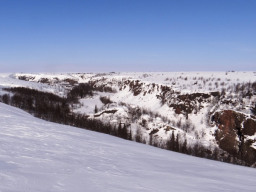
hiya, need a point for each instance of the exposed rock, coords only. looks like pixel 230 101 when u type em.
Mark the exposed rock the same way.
pixel 71 81
pixel 194 96
pixel 215 94
pixel 153 131
pixel 249 127
pixel 233 129
pixel 26 78
pixel 182 108
pixel 44 80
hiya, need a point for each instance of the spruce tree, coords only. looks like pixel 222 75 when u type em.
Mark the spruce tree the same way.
pixel 184 147
pixel 124 132
pixel 254 110
pixel 151 139
pixel 172 142
pixel 96 109
pixel 177 143
pixel 130 134
pixel 119 130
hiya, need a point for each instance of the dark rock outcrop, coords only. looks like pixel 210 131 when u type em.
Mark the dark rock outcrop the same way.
pixel 234 128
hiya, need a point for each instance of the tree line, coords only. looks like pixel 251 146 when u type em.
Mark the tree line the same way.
pixel 53 108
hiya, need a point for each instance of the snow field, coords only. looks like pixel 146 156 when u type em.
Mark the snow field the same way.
pixel 36 155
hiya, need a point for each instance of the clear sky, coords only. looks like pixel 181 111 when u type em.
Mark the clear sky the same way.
pixel 127 35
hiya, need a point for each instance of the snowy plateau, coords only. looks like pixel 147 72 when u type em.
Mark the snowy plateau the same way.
pixel 204 114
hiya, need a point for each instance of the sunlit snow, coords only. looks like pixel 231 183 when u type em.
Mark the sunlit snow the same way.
pixel 36 155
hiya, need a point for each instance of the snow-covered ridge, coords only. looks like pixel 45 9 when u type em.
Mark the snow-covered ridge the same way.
pixel 41 156
pixel 181 81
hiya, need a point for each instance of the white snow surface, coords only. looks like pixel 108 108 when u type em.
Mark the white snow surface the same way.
pixel 186 82
pixel 36 155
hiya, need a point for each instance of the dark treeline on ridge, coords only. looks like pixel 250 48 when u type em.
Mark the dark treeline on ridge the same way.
pixel 53 108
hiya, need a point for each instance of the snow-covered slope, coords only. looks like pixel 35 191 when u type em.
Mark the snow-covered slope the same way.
pixel 36 155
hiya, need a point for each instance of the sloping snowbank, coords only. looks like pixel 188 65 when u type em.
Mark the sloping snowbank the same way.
pixel 36 155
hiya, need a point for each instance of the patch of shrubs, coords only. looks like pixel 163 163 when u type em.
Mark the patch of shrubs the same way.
pixel 105 100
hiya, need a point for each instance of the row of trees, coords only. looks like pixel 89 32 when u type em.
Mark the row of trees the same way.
pixel 178 144
pixel 43 105
pixel 86 89
pixel 80 91
pixel 56 109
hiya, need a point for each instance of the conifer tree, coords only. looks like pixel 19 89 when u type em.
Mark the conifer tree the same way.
pixel 130 134
pixel 151 139
pixel 184 147
pixel 119 130
pixel 172 142
pixel 96 109
pixel 177 143
pixel 254 109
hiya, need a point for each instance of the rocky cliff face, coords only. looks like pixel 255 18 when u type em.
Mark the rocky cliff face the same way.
pixel 235 134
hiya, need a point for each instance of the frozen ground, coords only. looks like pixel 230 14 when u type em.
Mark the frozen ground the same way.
pixel 36 155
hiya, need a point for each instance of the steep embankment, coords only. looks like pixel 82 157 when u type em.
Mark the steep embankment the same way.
pixel 236 134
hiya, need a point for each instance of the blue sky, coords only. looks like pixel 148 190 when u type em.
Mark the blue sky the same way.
pixel 127 35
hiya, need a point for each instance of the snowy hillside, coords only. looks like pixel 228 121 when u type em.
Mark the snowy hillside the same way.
pixel 36 155
pixel 214 111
